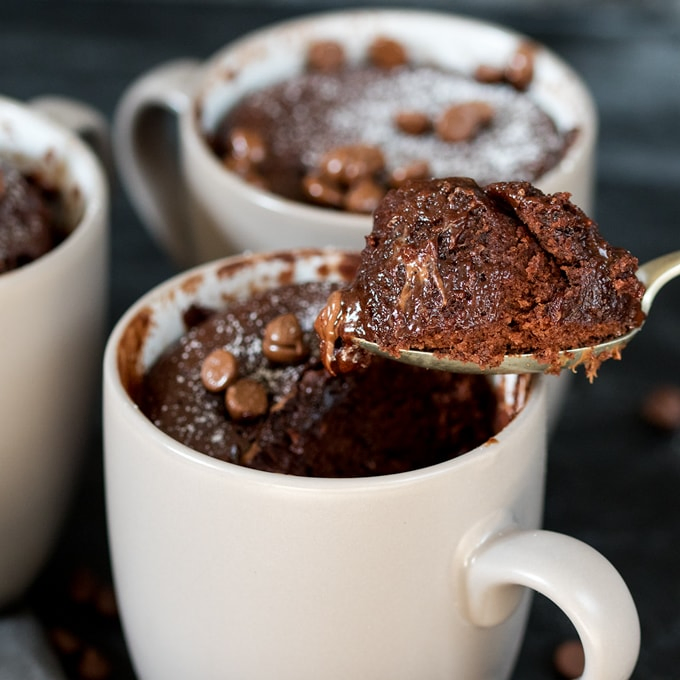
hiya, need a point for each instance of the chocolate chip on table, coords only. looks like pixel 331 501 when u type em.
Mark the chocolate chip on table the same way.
pixel 462 122
pixel 364 196
pixel 322 191
pixel 283 341
pixel 569 659
pixel 83 585
pixel 413 122
pixel 661 407
pixel 64 641
pixel 347 164
pixel 414 170
pixel 246 399
pixel 325 56
pixel 387 53
pixel 219 370
pixel 520 71
pixel 105 602
pixel 94 665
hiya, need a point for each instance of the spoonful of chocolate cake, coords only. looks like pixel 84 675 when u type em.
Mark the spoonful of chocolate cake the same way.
pixel 494 279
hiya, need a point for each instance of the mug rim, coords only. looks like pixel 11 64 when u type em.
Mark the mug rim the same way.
pixel 95 198
pixel 209 77
pixel 117 396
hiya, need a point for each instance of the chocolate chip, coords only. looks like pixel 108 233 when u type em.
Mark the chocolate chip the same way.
pixel 520 71
pixel 219 370
pixel 93 665
pixel 413 122
pixel 661 408
pixel 461 122
pixel 105 602
pixel 489 74
pixel 322 191
pixel 283 341
pixel 247 145
pixel 347 164
pixel 364 196
pixel 83 585
pixel 569 659
pixel 386 53
pixel 246 399
pixel 64 641
pixel 414 170
pixel 246 170
pixel 325 56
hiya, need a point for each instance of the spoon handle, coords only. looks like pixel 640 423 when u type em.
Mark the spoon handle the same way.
pixel 657 273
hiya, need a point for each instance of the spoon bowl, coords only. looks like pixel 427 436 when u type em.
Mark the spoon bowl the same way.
pixel 653 274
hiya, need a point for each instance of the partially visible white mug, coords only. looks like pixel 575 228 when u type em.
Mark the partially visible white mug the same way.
pixel 222 571
pixel 52 316
pixel 198 210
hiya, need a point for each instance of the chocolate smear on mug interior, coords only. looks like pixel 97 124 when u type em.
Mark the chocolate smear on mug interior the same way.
pixel 476 273
pixel 301 420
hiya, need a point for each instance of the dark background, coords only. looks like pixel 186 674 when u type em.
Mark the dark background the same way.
pixel 613 480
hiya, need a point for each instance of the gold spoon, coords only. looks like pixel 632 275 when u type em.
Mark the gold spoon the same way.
pixel 653 274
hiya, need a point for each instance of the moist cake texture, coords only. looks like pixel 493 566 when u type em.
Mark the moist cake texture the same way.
pixel 477 273
pixel 30 224
pixel 384 419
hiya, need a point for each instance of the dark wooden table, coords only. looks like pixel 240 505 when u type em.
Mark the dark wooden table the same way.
pixel 613 480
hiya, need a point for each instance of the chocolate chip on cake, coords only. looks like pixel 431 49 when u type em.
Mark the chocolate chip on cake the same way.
pixel 326 56
pixel 387 53
pixel 364 196
pixel 404 173
pixel 246 399
pixel 247 144
pixel 219 370
pixel 462 122
pixel 520 71
pixel 413 122
pixel 322 191
pixel 489 74
pixel 347 164
pixel 283 341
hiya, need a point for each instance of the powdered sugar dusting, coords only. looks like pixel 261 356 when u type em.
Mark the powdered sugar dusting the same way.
pixel 315 112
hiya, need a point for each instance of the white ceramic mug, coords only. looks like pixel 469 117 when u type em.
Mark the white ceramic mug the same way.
pixel 52 321
pixel 197 210
pixel 222 571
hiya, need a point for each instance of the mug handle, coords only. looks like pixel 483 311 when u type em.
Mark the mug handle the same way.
pixel 147 162
pixel 577 578
pixel 81 119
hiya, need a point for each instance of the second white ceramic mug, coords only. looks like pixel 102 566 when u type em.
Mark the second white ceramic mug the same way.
pixel 52 321
pixel 222 571
pixel 200 211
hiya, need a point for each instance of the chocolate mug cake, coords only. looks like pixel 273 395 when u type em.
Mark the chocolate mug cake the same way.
pixel 340 134
pixel 246 384
pixel 31 216
pixel 475 273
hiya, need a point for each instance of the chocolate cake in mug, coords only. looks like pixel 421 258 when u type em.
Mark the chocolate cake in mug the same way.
pixel 340 134
pixel 471 89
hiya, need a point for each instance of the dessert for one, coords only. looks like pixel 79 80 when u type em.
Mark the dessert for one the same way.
pixel 340 134
pixel 245 384
pixel 31 222
pixel 476 273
